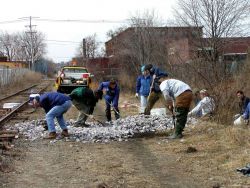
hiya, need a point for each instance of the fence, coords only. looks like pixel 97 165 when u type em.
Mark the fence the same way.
pixel 8 75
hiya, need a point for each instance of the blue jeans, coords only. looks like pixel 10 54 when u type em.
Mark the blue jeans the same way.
pixel 57 112
pixel 143 103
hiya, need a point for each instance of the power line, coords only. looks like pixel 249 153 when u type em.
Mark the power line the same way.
pixel 11 21
pixel 82 21
pixel 60 44
pixel 63 41
pixel 64 20
pixel 74 42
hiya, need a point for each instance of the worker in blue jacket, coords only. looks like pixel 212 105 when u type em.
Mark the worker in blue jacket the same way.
pixel 111 91
pixel 155 92
pixel 55 105
pixel 143 83
pixel 246 114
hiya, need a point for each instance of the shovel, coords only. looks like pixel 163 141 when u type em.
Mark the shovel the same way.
pixel 92 117
pixel 114 109
pixel 151 87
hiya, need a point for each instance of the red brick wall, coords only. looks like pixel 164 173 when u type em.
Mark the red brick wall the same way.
pixel 236 45
pixel 179 51
pixel 103 68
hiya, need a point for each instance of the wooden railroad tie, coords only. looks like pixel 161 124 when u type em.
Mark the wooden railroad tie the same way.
pixel 8 135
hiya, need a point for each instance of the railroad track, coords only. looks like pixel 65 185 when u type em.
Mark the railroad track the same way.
pixel 19 100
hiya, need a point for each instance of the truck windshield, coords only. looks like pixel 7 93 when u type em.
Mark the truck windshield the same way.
pixel 66 70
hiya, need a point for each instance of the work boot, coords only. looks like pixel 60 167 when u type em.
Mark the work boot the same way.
pixel 79 124
pixel 175 136
pixel 52 135
pixel 65 133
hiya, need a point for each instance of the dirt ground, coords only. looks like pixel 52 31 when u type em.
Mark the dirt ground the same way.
pixel 141 162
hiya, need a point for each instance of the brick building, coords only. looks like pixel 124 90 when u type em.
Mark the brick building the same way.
pixel 102 68
pixel 180 42
pixel 182 45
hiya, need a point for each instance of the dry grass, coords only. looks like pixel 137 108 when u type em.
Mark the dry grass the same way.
pixel 221 149
pixel 21 82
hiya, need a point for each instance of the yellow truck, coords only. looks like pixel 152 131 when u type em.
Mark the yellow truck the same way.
pixel 71 77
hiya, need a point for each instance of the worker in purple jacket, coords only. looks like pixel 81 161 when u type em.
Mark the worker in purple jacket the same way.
pixel 111 91
pixel 55 105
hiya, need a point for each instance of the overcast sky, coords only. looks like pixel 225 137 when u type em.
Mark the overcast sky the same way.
pixel 90 10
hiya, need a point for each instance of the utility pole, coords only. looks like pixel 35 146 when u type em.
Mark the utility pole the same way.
pixel 31 32
pixel 84 51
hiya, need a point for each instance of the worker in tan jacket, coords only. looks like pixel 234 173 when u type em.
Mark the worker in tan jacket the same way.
pixel 180 94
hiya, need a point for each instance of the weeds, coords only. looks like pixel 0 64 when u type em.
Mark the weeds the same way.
pixel 21 81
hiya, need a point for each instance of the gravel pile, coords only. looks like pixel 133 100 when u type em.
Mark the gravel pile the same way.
pixel 119 130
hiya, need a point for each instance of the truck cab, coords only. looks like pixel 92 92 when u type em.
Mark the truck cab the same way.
pixel 71 77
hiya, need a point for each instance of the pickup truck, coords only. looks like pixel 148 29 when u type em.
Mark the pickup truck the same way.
pixel 71 77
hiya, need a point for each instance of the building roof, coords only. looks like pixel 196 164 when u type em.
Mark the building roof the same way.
pixel 153 28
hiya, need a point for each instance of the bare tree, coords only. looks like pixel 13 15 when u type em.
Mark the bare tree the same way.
pixel 112 33
pixel 143 42
pixel 35 47
pixel 19 46
pixel 91 47
pixel 8 45
pixel 220 19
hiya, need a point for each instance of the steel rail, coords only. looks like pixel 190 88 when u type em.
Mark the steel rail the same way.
pixel 17 92
pixel 3 119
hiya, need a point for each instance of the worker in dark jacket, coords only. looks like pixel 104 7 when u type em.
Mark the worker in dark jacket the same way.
pixel 155 92
pixel 112 91
pixel 84 99
pixel 243 101
pixel 55 105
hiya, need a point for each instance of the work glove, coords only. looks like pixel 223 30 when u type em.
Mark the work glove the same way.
pixel 136 95
pixel 91 116
pixel 171 109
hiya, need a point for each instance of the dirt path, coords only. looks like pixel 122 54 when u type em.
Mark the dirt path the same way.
pixel 141 162
pixel 137 163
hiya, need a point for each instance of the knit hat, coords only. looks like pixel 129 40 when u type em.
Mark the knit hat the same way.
pixel 32 97
pixel 203 91
pixel 112 81
pixel 143 68
pixel 148 67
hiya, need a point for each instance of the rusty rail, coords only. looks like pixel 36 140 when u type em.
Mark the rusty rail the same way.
pixel 6 117
pixel 18 92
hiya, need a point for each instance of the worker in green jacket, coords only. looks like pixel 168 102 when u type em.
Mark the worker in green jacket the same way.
pixel 84 99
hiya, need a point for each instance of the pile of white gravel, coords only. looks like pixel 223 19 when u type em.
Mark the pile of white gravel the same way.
pixel 119 130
